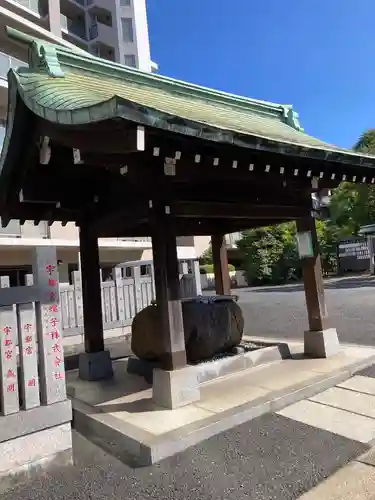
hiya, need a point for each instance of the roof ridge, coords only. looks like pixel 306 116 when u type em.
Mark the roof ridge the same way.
pixel 49 56
pixel 139 76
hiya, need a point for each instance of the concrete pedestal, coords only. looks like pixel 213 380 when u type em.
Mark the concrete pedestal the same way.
pixel 176 388
pixel 95 366
pixel 33 441
pixel 321 344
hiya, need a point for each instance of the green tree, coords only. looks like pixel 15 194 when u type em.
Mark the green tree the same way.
pixel 353 205
pixel 366 142
pixel 206 257
pixel 270 254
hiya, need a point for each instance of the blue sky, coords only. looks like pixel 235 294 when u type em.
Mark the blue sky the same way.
pixel 318 55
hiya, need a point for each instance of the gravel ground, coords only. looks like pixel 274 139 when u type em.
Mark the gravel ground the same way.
pixel 271 457
pixel 368 372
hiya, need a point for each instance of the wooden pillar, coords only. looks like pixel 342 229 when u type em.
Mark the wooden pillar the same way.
pixel 91 290
pixel 313 278
pixel 167 288
pixel 320 340
pixel 220 262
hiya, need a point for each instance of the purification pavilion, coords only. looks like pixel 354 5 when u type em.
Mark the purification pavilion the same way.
pixel 125 153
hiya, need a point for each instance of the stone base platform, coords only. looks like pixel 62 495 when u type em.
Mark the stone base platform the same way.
pixel 33 441
pixel 120 415
pixel 211 370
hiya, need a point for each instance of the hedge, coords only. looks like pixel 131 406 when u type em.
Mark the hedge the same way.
pixel 209 268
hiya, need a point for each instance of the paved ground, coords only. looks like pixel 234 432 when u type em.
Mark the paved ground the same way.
pixel 278 456
pixel 280 312
pixel 271 457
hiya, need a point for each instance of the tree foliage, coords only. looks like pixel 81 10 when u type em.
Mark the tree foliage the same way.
pixel 206 257
pixel 270 253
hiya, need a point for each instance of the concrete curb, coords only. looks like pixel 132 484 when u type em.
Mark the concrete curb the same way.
pixel 141 448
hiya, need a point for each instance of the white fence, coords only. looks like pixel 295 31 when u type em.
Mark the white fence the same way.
pixel 122 299
pixel 31 360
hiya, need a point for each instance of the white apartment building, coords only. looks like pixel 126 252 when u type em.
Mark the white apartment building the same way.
pixel 112 29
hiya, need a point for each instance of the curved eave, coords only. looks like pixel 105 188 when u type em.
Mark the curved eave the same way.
pixel 20 126
pixel 85 108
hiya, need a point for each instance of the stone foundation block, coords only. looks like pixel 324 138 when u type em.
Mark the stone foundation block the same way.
pixel 26 457
pixel 95 366
pixel 173 389
pixel 321 344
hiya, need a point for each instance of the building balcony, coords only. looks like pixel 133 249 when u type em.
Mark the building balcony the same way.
pixel 72 8
pixel 101 8
pixel 64 236
pixel 102 34
pixel 73 28
pixel 27 8
pixel 103 51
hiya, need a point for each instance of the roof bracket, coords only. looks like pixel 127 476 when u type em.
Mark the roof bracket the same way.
pixel 292 118
pixel 43 56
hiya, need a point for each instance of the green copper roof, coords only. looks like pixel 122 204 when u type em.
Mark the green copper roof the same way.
pixel 68 87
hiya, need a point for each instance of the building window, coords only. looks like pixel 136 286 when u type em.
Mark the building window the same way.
pixel 125 3
pixel 127 29
pixel 30 4
pixel 130 60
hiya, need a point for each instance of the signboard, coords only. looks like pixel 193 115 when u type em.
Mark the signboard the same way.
pixel 304 245
pixel 353 255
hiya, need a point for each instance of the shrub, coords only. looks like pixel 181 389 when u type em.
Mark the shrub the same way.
pixel 209 268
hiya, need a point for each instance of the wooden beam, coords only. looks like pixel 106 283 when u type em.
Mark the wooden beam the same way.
pixel 168 143
pixel 109 138
pixel 129 215
pixel 38 212
pixel 190 227
pixel 235 210
pixel 70 185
